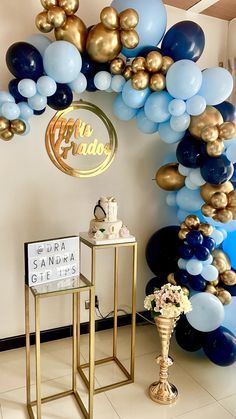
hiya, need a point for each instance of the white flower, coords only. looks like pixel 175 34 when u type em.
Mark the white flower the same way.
pixel 148 302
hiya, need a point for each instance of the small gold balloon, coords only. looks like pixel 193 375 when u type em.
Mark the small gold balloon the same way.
pixel 110 18
pixel 220 264
pixel 214 283
pixel 138 64
pixel 56 16
pixel 47 4
pixel 117 66
pixel 183 225
pixel 129 19
pixel 208 190
pixel 73 31
pixel 140 80
pixel 183 233
pixel 224 296
pixel 217 253
pixel 157 82
pixel 215 148
pixel 185 291
pixel 154 61
pixel 18 126
pixel 233 210
pixel 70 6
pixel 129 39
pixel 42 23
pixel 211 116
pixel 169 178
pixel 211 289
pixel 232 198
pixel 219 200
pixel 6 135
pixel 210 133
pixel 227 130
pixel 208 210
pixel 171 279
pixel 224 216
pixel 166 64
pixel 206 229
pixel 228 278
pixel 4 123
pixel 127 74
pixel 192 221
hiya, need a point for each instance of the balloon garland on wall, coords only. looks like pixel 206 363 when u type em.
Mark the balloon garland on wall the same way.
pixel 165 91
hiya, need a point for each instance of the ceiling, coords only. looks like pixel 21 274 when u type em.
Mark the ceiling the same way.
pixel 222 9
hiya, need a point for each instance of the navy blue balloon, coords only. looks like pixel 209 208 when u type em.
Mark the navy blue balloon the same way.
pixel 62 98
pixel 184 40
pixel 156 282
pixel 90 84
pixel 24 61
pixel 186 252
pixel 202 252
pixel 189 152
pixel 145 51
pixel 88 66
pixel 13 89
pixel 39 112
pixel 216 170
pixel 209 242
pixel 220 347
pixel 231 289
pixel 187 337
pixel 233 178
pixel 182 277
pixel 102 67
pixel 227 110
pixel 194 238
pixel 198 283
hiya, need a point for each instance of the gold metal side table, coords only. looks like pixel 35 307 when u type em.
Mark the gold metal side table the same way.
pixel 86 241
pixel 73 286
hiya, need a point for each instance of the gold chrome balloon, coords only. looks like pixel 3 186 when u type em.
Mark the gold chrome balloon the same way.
pixel 228 278
pixel 185 291
pixel 206 229
pixel 232 198
pixel 47 4
pixel 4 123
pixel 154 61
pixel 138 64
pixel 157 82
pixel 166 64
pixel 129 39
pixel 211 116
pixel 110 18
pixel 117 66
pixel 220 264
pixel 183 233
pixel 103 45
pixel 70 6
pixel 140 80
pixel 217 253
pixel 42 23
pixel 227 130
pixel 233 210
pixel 192 221
pixel 129 19
pixel 127 74
pixel 210 133
pixel 6 135
pixel 208 210
pixel 208 190
pixel 224 296
pixel 18 126
pixel 73 31
pixel 215 148
pixel 169 178
pixel 224 216
pixel 214 283
pixel 211 289
pixel 56 16
pixel 219 200
pixel 171 279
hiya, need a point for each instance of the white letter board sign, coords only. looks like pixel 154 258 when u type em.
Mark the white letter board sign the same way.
pixel 51 260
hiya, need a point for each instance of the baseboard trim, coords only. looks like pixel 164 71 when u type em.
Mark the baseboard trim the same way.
pixel 15 342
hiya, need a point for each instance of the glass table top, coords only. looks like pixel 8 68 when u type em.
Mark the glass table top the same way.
pixel 61 285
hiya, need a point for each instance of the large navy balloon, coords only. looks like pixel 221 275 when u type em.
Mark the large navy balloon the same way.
pixel 216 170
pixel 187 337
pixel 184 40
pixel 220 347
pixel 24 61
pixel 156 282
pixel 13 89
pixel 189 152
pixel 62 98
pixel 227 110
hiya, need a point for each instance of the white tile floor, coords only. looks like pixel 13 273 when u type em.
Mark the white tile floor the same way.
pixel 205 390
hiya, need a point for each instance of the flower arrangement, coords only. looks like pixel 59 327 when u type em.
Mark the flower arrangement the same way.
pixel 169 301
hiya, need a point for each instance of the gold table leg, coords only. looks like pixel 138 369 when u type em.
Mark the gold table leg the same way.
pixel 37 353
pixel 134 286
pixel 116 261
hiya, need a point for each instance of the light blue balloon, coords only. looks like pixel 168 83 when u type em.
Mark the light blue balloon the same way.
pixel 182 263
pixel 184 79
pixel 190 184
pixel 229 227
pixel 117 83
pixel 210 273
pixel 37 102
pixel 62 61
pixel 229 248
pixel 196 177
pixel 230 316
pixel 171 199
pixel 10 110
pixel 218 236
pixel 180 123
pixel 189 200
pixel 156 106
pixel 27 127
pixel 182 214
pixel 25 111
pixel 208 261
pixel 231 153
pixel 177 107
pixel 196 105
pixel 207 312
pixel 46 86
pixel 121 110
pixel 27 88
pixel 185 171
pixel 40 42
pixel 79 85
pixel 134 98
pixel 224 232
pixel 144 124
pixel 102 80
pixel 6 97
pixel 169 157
pixel 152 22
pixel 217 85
pixel 168 135
pixel 194 267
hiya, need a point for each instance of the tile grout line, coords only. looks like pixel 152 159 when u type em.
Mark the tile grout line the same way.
pixel 208 404
pixel 227 410
pixel 113 407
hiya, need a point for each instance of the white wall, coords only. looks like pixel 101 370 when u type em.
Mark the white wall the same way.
pixel 38 201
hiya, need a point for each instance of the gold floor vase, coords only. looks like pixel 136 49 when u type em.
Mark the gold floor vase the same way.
pixel 162 391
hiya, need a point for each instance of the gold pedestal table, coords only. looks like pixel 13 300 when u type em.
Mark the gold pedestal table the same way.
pixel 73 286
pixel 116 245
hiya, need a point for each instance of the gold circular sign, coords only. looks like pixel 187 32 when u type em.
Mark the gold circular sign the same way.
pixel 79 144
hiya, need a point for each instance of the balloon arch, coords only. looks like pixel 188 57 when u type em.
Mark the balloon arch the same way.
pixel 165 91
